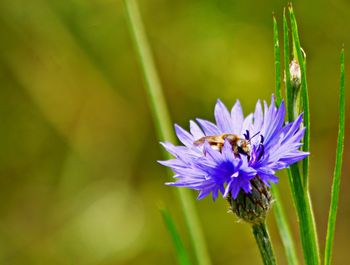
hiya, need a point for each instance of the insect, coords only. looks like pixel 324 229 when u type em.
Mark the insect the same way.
pixel 239 145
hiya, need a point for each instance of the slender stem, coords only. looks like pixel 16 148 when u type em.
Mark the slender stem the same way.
pixel 280 216
pixel 180 249
pixel 153 86
pixel 277 54
pixel 304 93
pixel 338 167
pixel 263 240
pixel 289 90
pixel 161 119
pixel 299 182
pixel 306 221
pixel 283 228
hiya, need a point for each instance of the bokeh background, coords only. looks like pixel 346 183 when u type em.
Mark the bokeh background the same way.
pixel 78 179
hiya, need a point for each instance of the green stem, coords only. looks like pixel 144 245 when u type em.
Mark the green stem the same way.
pixel 298 181
pixel 306 220
pixel 162 121
pixel 338 168
pixel 296 102
pixel 277 54
pixel 263 240
pixel 280 216
pixel 181 253
pixel 289 90
pixel 283 228
pixel 304 93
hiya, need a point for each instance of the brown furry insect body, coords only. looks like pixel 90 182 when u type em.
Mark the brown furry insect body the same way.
pixel 239 145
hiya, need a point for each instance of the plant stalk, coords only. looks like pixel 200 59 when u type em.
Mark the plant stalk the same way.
pixel 338 168
pixel 162 122
pixel 264 243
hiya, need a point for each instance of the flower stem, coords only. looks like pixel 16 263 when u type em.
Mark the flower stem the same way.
pixel 162 122
pixel 338 168
pixel 263 240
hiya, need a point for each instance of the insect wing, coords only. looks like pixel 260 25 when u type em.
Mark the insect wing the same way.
pixel 212 140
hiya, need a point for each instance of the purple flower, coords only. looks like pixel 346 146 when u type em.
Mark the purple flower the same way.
pixel 227 155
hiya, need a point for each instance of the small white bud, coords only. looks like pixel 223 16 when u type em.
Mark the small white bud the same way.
pixel 295 74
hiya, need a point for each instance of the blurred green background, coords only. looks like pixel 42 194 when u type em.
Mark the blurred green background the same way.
pixel 78 179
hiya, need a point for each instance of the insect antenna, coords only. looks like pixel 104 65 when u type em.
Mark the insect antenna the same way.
pixel 253 136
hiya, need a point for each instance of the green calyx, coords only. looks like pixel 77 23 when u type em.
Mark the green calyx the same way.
pixel 252 207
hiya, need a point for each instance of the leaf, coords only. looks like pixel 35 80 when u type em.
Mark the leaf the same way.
pixel 277 54
pixel 298 182
pixel 307 228
pixel 304 91
pixel 162 121
pixel 283 228
pixel 289 92
pixel 181 252
pixel 338 167
pixel 281 219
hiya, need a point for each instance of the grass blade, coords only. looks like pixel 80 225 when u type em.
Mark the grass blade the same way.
pixel 281 220
pixel 284 229
pixel 277 53
pixel 181 252
pixel 299 184
pixel 307 228
pixel 304 93
pixel 338 167
pixel 289 92
pixel 152 83
pixel 162 122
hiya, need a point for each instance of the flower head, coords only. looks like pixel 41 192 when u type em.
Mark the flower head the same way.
pixel 225 157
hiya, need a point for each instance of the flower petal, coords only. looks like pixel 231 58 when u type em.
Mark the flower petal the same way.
pixel 196 131
pixel 185 137
pixel 208 127
pixel 223 118
pixel 237 117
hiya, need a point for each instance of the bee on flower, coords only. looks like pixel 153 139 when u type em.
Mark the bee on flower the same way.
pixel 237 156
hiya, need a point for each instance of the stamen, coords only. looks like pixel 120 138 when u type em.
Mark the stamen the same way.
pixel 246 135
pixel 261 151
pixel 262 139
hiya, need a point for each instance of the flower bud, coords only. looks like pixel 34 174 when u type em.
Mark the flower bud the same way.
pixel 295 74
pixel 252 207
